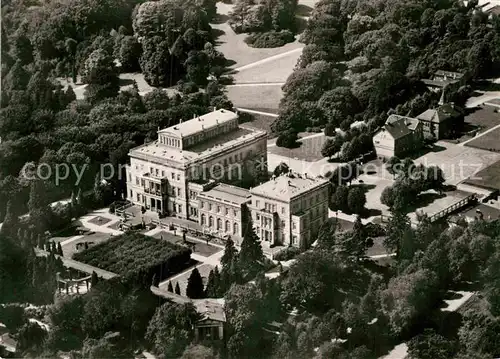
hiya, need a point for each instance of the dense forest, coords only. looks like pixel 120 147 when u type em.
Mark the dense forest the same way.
pixel 45 44
pixel 363 59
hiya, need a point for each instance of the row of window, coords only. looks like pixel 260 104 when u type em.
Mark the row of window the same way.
pixel 269 207
pixel 154 171
pixel 217 209
pixel 219 224
pixel 169 141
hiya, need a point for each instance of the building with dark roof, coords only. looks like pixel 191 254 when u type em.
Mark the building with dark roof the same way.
pixel 441 122
pixel 398 137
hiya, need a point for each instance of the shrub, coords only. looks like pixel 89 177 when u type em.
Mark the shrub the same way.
pixel 287 139
pixel 270 39
pixel 287 254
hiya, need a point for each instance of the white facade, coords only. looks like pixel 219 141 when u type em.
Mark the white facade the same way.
pixel 290 209
pixel 167 175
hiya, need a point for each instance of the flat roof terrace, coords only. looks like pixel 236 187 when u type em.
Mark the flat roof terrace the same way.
pixel 232 136
pixel 212 146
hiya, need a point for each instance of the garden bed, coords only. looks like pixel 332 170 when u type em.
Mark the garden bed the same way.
pixel 133 253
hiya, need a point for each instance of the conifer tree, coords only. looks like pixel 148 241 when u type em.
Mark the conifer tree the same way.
pixel 251 256
pixel 210 289
pixel 10 223
pixel 170 287
pixel 94 279
pixel 59 249
pixel 194 287
pixel 177 289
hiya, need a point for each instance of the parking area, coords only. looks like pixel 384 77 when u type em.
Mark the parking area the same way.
pixel 458 162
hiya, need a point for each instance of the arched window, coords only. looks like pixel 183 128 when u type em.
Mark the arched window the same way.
pixel 227 229
pixel 203 219
pixel 219 224
pixel 235 228
pixel 210 221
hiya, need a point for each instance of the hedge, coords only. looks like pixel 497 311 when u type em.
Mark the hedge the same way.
pixel 134 254
pixel 270 39
pixel 287 254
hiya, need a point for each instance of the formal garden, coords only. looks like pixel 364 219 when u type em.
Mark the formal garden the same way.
pixel 134 253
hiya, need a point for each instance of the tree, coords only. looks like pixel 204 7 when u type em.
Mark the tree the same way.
pixel 356 200
pixel 94 279
pixel 177 289
pixel 23 50
pixel 170 288
pixel 408 299
pixel 245 318
pixel 170 329
pixel 59 249
pixel 397 228
pixel 282 168
pixel 338 199
pixel 329 148
pixel 251 257
pixel 430 345
pixel 393 165
pixel 31 338
pixel 130 52
pixel 287 139
pixel 100 74
pixel 194 289
pixel 10 223
pixel 213 284
pixel 355 243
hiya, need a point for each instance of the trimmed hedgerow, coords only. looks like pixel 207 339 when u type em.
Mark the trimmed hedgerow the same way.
pixel 133 253
pixel 270 39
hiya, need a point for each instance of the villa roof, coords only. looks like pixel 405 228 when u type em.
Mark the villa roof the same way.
pixel 438 115
pixel 210 308
pixel 286 187
pixel 400 126
pixel 201 123
pixel 226 193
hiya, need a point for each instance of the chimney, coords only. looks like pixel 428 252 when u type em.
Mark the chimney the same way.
pixel 180 121
pixel 215 108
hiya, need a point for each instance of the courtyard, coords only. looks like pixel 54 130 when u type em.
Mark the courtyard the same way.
pixel 458 162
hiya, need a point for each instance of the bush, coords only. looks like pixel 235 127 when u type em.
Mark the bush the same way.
pixel 270 39
pixel 287 254
pixel 287 139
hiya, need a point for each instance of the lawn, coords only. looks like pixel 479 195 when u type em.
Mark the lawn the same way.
pixel 135 252
pixel 233 46
pixel 100 221
pixel 260 122
pixel 489 142
pixel 182 279
pixel 309 149
pixel 264 98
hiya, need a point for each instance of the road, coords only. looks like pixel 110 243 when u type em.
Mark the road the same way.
pixel 268 59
